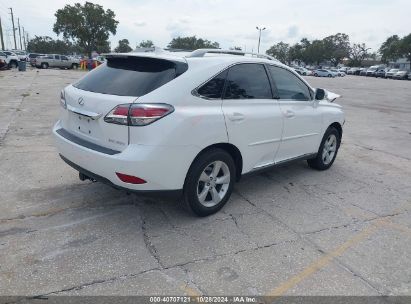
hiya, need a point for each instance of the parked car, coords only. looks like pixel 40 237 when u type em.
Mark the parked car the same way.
pixel 352 71
pixel 338 72
pixel 391 73
pixel 56 61
pixel 363 72
pixel 3 63
pixel 343 69
pixel 159 143
pixel 22 55
pixel 302 71
pixel 324 73
pixel 401 75
pixel 409 76
pixel 31 58
pixel 11 59
pixel 381 73
pixel 372 70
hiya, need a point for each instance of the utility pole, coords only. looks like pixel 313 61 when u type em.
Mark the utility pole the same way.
pixel 24 40
pixel 1 36
pixel 14 29
pixel 259 37
pixel 18 22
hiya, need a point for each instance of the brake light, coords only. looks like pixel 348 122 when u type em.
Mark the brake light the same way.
pixel 130 179
pixel 138 114
pixel 63 99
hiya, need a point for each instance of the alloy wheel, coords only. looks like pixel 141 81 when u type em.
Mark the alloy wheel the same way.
pixel 213 183
pixel 329 149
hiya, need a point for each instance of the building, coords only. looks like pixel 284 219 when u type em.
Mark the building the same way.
pixel 401 63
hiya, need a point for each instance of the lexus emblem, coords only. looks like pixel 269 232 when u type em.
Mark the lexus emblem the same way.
pixel 81 101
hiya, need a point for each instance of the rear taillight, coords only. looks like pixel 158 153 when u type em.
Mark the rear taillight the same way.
pixel 63 99
pixel 138 114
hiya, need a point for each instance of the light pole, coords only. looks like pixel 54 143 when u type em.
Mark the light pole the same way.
pixel 259 37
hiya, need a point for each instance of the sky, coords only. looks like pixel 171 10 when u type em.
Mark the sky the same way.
pixel 229 22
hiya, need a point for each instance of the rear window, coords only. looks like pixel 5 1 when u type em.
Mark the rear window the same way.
pixel 131 76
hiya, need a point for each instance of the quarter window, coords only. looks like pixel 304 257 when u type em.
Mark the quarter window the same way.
pixel 248 81
pixel 214 87
pixel 288 85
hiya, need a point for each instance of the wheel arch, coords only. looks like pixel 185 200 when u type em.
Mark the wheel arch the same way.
pixel 338 127
pixel 232 150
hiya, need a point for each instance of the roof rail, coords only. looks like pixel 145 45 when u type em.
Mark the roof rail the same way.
pixel 202 52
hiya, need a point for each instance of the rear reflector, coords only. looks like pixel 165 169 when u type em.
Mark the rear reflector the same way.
pixel 130 179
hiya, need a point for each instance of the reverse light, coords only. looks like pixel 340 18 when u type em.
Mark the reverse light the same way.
pixel 138 114
pixel 130 179
pixel 63 99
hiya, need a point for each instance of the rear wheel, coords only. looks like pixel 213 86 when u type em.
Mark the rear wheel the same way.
pixel 209 182
pixel 74 66
pixel 329 75
pixel 328 150
pixel 44 65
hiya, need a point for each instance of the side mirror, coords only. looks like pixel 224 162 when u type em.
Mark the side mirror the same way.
pixel 319 94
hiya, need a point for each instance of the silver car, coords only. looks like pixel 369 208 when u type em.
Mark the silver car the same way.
pixel 324 73
pixel 391 73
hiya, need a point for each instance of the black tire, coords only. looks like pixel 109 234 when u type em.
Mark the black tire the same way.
pixel 13 65
pixel 318 162
pixel 192 181
pixel 74 66
pixel 44 65
pixel 329 75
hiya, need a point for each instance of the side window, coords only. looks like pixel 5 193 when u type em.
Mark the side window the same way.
pixel 214 87
pixel 288 85
pixel 57 57
pixel 49 57
pixel 248 81
pixel 64 58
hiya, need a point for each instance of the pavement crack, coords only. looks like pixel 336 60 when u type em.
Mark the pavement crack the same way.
pixel 94 282
pixel 150 246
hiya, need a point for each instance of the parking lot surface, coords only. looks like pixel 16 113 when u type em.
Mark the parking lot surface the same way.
pixel 289 231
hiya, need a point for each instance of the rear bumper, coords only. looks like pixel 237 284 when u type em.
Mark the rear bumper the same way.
pixel 163 167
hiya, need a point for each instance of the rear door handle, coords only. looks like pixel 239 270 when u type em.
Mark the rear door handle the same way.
pixel 236 117
pixel 289 114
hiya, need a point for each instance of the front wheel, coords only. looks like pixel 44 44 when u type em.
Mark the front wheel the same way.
pixel 209 182
pixel 328 150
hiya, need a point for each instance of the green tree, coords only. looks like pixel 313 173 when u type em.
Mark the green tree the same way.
pixel 47 45
pixel 315 52
pixel 336 47
pixel 358 52
pixel 123 46
pixel 146 44
pixel 405 47
pixel 88 25
pixel 390 49
pixel 192 43
pixel 280 51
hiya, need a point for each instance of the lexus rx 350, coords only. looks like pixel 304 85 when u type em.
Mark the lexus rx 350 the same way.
pixel 195 123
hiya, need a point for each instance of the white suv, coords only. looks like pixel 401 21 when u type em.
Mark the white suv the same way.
pixel 193 124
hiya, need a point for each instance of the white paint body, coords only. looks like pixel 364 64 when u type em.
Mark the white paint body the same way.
pixel 266 131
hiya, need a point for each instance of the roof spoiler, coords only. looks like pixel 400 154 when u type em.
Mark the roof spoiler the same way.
pixel 202 52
